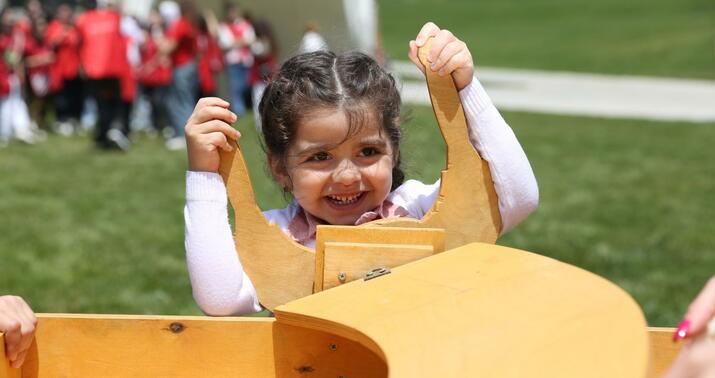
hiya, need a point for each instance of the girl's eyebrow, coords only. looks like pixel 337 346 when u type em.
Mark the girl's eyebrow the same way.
pixel 312 148
pixel 373 141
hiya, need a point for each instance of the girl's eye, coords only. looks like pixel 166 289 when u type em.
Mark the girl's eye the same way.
pixel 320 156
pixel 369 151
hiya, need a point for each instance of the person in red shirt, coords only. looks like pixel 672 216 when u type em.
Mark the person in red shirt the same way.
pixel 154 73
pixel 209 55
pixel 65 83
pixel 103 59
pixel 180 44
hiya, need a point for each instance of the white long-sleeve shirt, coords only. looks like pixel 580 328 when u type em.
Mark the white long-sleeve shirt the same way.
pixel 222 288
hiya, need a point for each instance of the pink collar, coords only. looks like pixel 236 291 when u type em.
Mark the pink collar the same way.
pixel 303 226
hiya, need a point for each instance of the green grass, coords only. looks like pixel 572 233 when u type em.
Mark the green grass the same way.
pixel 93 232
pixel 640 37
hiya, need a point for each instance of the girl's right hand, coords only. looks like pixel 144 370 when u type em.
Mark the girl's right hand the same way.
pixel 208 129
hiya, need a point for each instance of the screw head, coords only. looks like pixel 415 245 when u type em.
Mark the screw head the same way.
pixel 342 277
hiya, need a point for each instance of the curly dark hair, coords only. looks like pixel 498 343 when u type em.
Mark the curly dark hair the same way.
pixel 352 82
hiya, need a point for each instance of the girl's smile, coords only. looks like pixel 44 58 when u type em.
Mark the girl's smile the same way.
pixel 337 173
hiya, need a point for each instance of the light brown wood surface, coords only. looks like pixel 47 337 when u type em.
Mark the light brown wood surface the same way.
pixel 485 310
pixel 467 209
pixel 147 346
pixel 305 352
pixel 663 349
pixel 357 250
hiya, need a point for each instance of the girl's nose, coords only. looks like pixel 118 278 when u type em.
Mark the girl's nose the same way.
pixel 346 173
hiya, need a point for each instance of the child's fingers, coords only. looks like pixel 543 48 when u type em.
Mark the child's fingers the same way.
pixel 13 338
pixel 217 126
pixel 219 140
pixel 28 323
pixel 448 53
pixel 211 101
pixel 457 62
pixel 428 30
pixel 209 113
pixel 439 42
pixel 412 54
pixel 702 309
pixel 17 362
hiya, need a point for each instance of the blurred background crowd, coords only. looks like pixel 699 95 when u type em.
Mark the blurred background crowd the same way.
pixel 93 67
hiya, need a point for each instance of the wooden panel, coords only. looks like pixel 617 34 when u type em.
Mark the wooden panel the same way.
pixel 304 352
pixel 379 236
pixel 663 349
pixel 353 260
pixel 485 310
pixel 467 207
pixel 280 269
pixel 150 346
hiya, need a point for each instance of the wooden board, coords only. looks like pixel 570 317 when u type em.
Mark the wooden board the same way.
pixel 150 346
pixel 466 208
pixel 663 349
pixel 485 310
pixel 356 250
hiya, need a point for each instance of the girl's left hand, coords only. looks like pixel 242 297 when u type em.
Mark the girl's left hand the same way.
pixel 447 55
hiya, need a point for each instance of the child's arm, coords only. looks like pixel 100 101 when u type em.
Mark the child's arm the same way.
pixel 17 322
pixel 514 181
pixel 219 284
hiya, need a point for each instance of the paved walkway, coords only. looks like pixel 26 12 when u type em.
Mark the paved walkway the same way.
pixel 582 94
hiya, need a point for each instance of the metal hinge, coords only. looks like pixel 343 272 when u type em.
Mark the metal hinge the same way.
pixel 377 272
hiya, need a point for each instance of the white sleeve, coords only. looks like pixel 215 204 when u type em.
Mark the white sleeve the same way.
pixel 220 286
pixel 514 181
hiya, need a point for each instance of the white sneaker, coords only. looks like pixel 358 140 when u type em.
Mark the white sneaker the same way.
pixel 176 144
pixel 64 128
pixel 118 138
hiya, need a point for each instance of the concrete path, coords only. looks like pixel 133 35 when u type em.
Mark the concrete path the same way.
pixel 582 94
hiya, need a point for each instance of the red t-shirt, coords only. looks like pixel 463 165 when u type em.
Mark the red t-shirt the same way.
pixel 155 70
pixel 183 33
pixel 65 40
pixel 102 51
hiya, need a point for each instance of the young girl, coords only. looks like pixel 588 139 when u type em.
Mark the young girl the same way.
pixel 331 129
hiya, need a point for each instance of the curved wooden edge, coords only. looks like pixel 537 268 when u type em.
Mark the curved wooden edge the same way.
pixel 467 206
pixel 485 310
pixel 280 269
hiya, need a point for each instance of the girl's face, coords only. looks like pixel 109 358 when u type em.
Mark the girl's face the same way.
pixel 334 178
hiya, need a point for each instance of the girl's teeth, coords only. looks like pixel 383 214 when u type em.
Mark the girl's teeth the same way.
pixel 345 200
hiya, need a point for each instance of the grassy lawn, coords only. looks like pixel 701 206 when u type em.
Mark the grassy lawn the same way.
pixel 85 231
pixel 640 37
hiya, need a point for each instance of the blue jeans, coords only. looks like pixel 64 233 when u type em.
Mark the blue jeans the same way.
pixel 181 96
pixel 238 87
